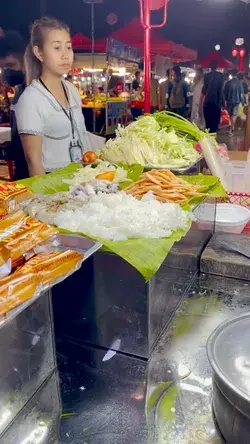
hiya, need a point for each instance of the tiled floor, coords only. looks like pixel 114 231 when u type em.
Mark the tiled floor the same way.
pixel 234 143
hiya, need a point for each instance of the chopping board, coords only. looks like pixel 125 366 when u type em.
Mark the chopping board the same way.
pixel 186 254
pixel 219 258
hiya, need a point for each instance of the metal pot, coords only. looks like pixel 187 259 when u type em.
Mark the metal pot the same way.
pixel 228 350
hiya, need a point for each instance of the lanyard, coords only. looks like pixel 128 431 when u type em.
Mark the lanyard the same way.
pixel 70 117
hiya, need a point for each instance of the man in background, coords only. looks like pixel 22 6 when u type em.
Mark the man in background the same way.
pixel 154 94
pixel 163 93
pixel 178 93
pixel 137 81
pixel 213 97
pixel 234 96
pixel 243 78
pixel 12 49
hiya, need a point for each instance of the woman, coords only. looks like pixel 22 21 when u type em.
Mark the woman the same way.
pixel 49 112
pixel 197 107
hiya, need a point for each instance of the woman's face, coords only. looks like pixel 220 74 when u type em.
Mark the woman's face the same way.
pixel 57 54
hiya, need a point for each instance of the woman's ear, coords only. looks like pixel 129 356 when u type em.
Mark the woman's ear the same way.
pixel 37 53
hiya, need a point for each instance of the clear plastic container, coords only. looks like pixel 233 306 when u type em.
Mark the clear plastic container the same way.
pixel 230 218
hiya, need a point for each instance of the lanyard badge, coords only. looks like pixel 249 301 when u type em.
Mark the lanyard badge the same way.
pixel 75 151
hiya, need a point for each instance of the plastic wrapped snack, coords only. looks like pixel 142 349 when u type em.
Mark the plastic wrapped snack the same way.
pixel 24 239
pixel 5 263
pixel 16 289
pixel 53 267
pixel 11 223
pixel 12 195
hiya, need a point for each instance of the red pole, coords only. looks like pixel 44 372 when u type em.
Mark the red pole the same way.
pixel 241 63
pixel 147 56
pixel 145 21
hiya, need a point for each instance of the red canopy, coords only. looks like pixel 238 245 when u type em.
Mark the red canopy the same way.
pixel 81 42
pixel 215 56
pixel 132 34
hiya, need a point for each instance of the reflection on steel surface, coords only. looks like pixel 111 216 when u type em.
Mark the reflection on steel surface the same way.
pixel 179 391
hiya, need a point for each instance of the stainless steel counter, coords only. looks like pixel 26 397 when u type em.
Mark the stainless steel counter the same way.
pixel 179 375
pixel 29 397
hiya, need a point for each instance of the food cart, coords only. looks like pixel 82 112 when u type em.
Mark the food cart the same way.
pixel 129 335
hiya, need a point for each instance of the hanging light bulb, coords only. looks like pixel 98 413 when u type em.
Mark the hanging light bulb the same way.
pixel 217 47
pixel 239 41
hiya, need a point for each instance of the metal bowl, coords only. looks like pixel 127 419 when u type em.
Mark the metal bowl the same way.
pixel 228 350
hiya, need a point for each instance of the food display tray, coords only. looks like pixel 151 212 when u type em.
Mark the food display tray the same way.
pixel 179 170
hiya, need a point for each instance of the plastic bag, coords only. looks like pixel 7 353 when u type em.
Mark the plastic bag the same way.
pixel 16 289
pixel 52 267
pixel 11 223
pixel 24 239
pixel 224 118
pixel 5 264
pixel 12 195
pixel 240 110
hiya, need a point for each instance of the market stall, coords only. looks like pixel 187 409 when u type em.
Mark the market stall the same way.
pixel 103 81
pixel 122 299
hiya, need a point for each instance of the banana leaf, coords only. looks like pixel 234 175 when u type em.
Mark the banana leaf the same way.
pixel 211 185
pixel 146 255
pixel 53 182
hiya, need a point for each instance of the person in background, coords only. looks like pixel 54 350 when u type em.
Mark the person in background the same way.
pixel 234 95
pixel 69 78
pixel 154 94
pixel 163 92
pixel 197 88
pixel 213 97
pixel 49 112
pixel 226 77
pixel 11 53
pixel 137 81
pixel 177 92
pixel 242 78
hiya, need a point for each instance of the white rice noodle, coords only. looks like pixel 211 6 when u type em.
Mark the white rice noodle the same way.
pixel 121 217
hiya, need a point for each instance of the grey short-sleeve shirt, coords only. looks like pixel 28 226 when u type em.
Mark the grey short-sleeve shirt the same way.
pixel 39 113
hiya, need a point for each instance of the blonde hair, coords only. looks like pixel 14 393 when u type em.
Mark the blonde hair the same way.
pixel 32 65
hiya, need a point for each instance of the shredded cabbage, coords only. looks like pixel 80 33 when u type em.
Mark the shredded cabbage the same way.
pixel 144 142
pixel 89 173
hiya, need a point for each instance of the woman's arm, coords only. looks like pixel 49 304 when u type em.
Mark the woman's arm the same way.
pixel 32 146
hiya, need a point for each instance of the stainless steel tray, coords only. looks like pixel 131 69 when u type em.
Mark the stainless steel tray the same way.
pixel 62 242
pixel 180 170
